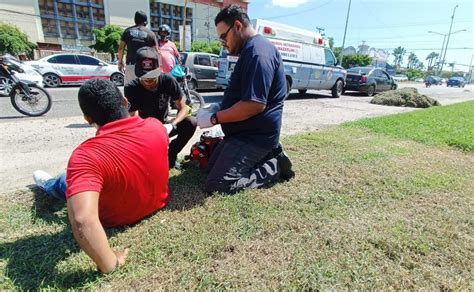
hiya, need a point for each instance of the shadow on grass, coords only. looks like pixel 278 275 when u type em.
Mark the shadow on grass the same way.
pixel 46 208
pixel 187 188
pixel 32 262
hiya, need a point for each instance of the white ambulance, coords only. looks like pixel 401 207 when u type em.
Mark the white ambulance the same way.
pixel 308 61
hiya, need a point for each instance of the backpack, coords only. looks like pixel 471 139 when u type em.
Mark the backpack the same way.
pixel 202 150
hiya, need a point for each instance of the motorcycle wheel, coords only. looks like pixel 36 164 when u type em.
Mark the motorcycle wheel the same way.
pixel 36 104
pixel 195 102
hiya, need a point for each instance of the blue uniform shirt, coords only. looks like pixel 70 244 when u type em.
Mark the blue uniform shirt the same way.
pixel 258 76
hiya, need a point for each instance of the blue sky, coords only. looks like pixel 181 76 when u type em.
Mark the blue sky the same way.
pixel 383 24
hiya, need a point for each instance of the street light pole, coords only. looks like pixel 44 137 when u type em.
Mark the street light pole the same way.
pixel 345 30
pixel 442 47
pixel 447 42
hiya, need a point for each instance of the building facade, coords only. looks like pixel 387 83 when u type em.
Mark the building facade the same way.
pixel 68 24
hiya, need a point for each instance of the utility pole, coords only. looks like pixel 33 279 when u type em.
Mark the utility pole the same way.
pixel 345 31
pixel 183 49
pixel 320 29
pixel 208 23
pixel 447 42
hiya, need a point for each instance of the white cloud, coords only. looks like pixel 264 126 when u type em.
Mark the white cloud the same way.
pixel 288 3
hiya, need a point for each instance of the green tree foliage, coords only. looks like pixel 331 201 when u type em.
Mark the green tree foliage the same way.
pixel 356 60
pixel 107 39
pixel 14 42
pixel 337 52
pixel 331 43
pixel 203 46
pixel 430 58
pixel 398 53
pixel 413 73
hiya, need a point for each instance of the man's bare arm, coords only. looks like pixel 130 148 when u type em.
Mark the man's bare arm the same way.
pixel 83 211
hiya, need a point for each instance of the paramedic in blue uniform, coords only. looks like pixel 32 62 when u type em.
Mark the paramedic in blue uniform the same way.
pixel 250 113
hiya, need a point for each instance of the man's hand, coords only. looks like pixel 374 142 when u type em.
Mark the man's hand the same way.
pixel 121 256
pixel 204 119
pixel 121 67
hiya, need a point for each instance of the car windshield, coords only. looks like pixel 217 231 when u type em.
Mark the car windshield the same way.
pixel 456 78
pixel 359 70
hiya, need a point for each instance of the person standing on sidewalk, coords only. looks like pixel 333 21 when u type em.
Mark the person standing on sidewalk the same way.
pixel 250 114
pixel 168 51
pixel 134 38
pixel 112 179
pixel 150 95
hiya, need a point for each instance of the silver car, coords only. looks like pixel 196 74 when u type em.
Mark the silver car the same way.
pixel 203 66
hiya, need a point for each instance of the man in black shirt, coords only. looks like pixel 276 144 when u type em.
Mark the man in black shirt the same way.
pixel 134 38
pixel 150 94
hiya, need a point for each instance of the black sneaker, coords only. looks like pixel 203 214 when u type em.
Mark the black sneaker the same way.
pixel 284 164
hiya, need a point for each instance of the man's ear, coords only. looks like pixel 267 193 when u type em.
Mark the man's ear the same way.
pixel 88 119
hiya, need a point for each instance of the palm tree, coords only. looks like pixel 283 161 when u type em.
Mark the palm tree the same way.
pixel 412 60
pixel 430 58
pixel 398 53
pixel 452 66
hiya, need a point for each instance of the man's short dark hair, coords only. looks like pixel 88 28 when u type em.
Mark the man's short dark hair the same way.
pixel 140 17
pixel 232 13
pixel 101 100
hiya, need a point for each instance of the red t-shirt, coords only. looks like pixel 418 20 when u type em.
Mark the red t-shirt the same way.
pixel 127 163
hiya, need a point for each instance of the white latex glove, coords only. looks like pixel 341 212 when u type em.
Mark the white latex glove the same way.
pixel 212 107
pixel 169 128
pixel 204 119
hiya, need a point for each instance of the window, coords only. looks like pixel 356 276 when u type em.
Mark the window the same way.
pixel 66 59
pixel 215 61
pixel 85 60
pixel 330 60
pixel 71 19
pixel 172 15
pixel 202 60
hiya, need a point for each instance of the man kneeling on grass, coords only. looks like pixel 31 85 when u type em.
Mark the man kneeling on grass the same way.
pixel 116 178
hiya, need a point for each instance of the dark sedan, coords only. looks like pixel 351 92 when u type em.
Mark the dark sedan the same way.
pixel 369 80
pixel 456 81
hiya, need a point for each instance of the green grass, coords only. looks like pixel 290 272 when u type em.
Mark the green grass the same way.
pixel 448 125
pixel 366 211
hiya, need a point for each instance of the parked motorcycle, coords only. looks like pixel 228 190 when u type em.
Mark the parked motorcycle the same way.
pixel 26 97
pixel 193 99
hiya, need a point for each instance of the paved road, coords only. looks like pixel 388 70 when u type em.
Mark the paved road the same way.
pixel 65 104
pixel 46 142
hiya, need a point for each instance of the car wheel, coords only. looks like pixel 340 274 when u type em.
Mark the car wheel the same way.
pixel 371 90
pixel 394 87
pixel 288 87
pixel 192 85
pixel 302 91
pixel 337 89
pixel 51 80
pixel 117 78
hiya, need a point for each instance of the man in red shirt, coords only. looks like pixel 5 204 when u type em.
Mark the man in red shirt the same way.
pixel 117 177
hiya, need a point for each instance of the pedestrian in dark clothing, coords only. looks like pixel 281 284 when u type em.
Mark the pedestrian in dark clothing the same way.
pixel 150 95
pixel 134 38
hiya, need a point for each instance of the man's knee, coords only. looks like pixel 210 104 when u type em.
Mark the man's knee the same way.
pixel 187 127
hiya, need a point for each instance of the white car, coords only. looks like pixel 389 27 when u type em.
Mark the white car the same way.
pixel 75 69
pixel 400 77
pixel 29 74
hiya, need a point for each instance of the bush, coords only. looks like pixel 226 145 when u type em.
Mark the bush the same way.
pixel 408 97
pixel 203 46
pixel 15 42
